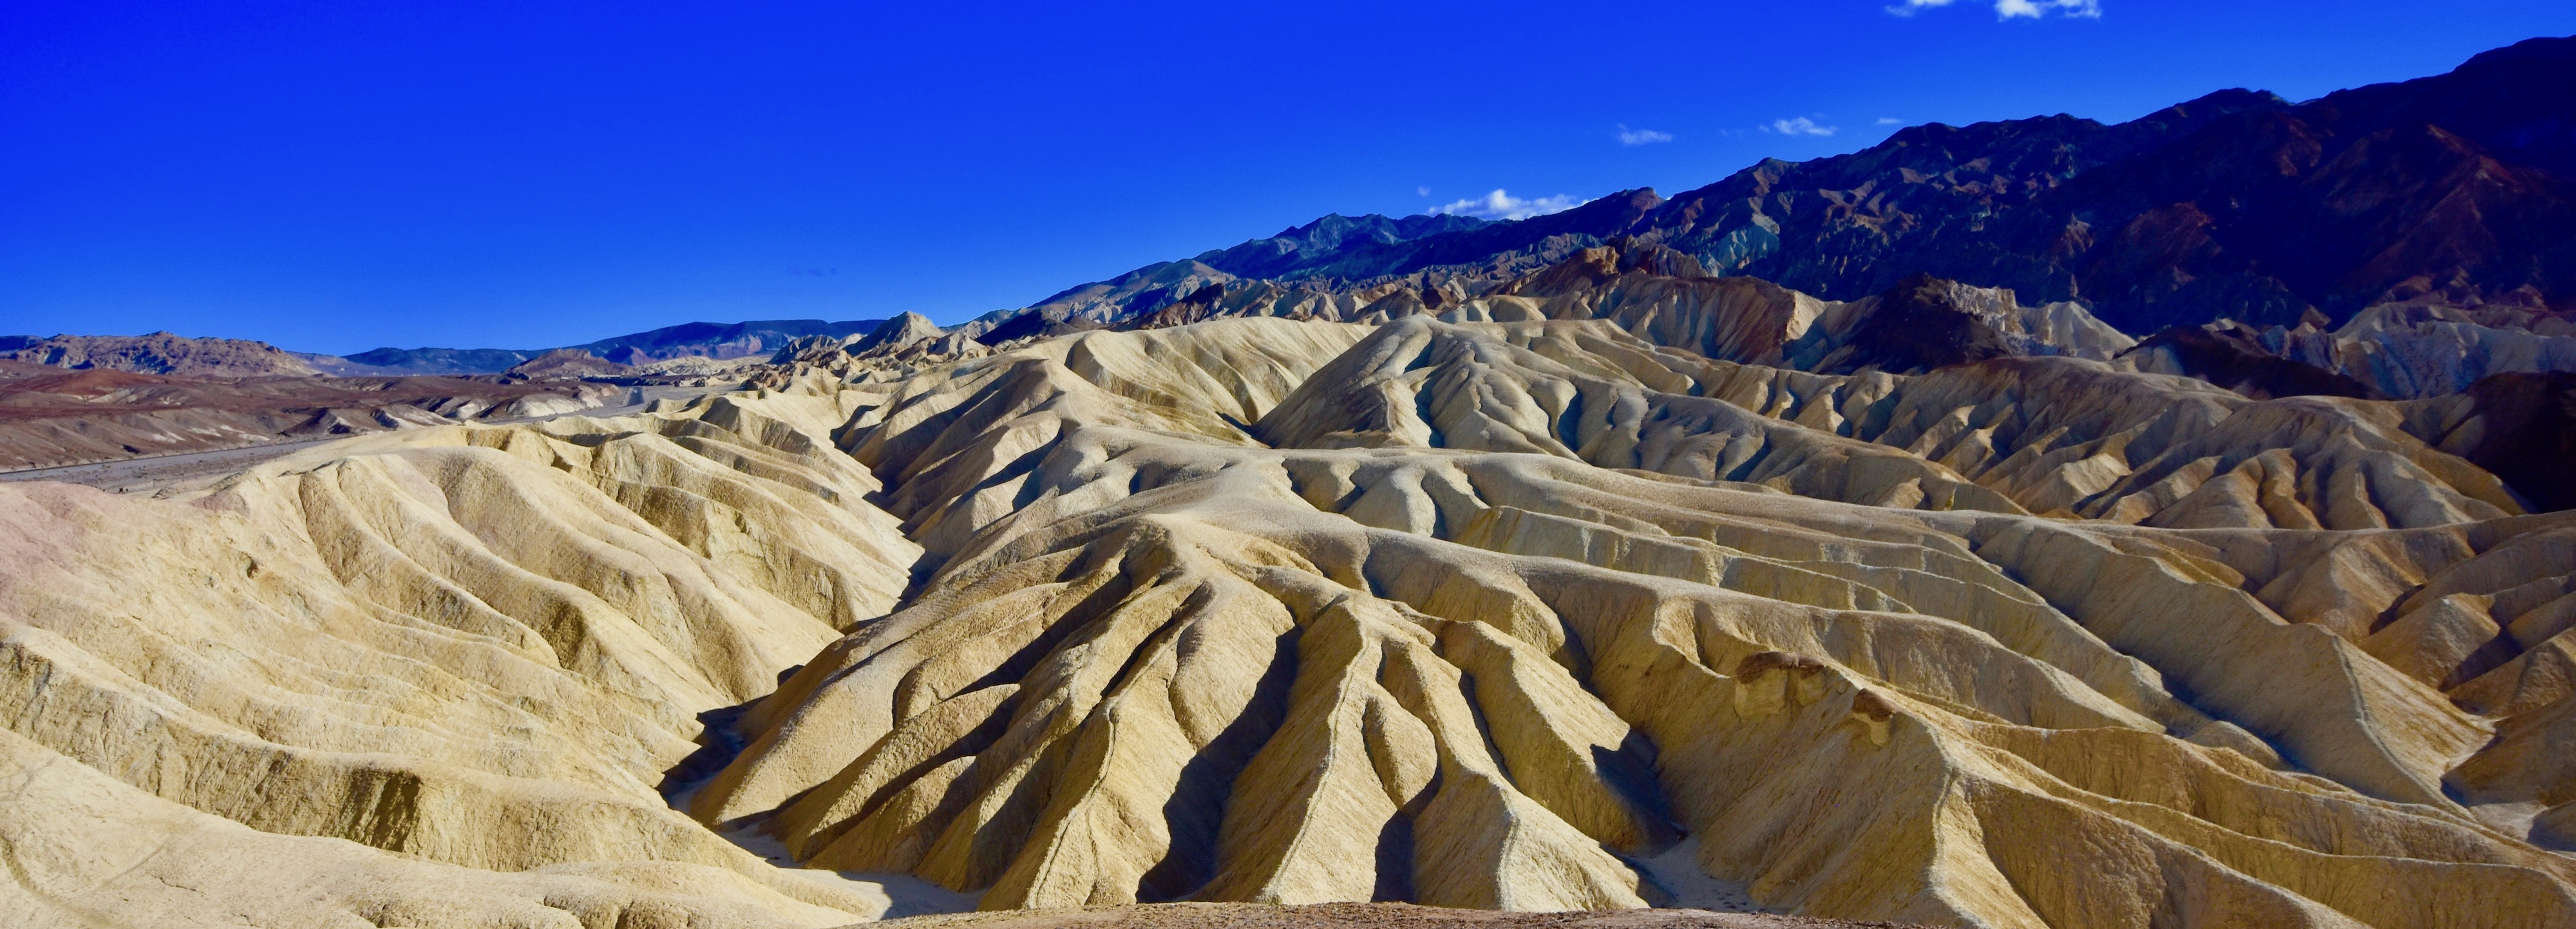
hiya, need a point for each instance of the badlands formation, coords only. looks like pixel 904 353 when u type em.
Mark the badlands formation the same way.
pixel 1619 587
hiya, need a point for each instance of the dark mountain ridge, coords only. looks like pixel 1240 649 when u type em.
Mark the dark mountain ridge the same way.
pixel 704 339
pixel 2237 205
pixel 723 340
pixel 1319 248
pixel 163 353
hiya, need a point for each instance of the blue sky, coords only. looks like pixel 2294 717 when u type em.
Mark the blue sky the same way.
pixel 340 176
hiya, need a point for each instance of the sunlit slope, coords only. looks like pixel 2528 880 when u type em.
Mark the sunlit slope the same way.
pixel 481 647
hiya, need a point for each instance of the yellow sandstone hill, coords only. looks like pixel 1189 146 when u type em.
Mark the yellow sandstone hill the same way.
pixel 1548 614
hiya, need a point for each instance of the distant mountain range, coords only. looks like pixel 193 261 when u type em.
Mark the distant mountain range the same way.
pixel 167 354
pixel 2238 205
pixel 2453 195
pixel 709 340
pixel 155 353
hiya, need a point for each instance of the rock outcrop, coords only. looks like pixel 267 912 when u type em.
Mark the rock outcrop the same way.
pixel 2414 350
pixel 2242 359
pixel 2409 350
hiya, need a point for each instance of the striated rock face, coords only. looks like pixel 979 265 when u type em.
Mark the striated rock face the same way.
pixel 2240 358
pixel 1605 593
pixel 2409 350
pixel 2413 350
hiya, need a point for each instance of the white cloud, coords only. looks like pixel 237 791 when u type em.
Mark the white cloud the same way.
pixel 1800 126
pixel 1500 205
pixel 2089 9
pixel 2014 9
pixel 1422 191
pixel 1629 136
pixel 1890 121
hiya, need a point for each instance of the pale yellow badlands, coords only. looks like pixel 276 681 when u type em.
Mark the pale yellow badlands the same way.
pixel 1463 613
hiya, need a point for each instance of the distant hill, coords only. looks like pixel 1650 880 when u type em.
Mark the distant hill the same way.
pixel 720 340
pixel 707 340
pixel 421 361
pixel 182 356
pixel 155 353
pixel 568 363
